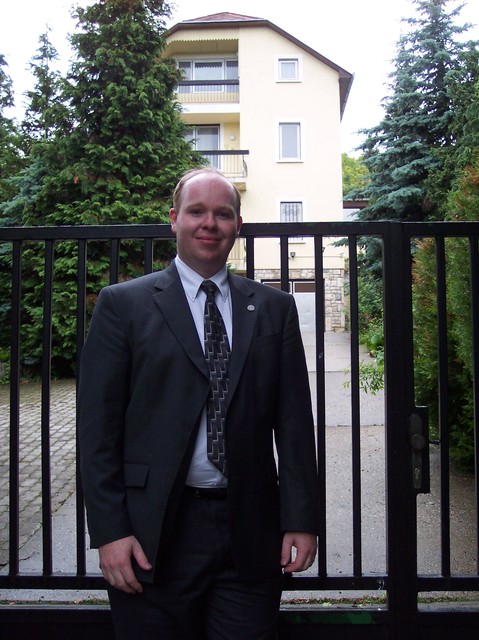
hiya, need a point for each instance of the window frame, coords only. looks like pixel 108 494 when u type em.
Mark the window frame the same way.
pixel 299 141
pixel 192 62
pixel 289 58
pixel 300 218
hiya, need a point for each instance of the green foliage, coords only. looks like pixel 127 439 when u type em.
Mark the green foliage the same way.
pixel 408 145
pixel 121 149
pixel 417 156
pixel 104 145
pixel 45 107
pixel 10 155
pixel 425 330
pixel 371 331
pixel 462 205
pixel 355 174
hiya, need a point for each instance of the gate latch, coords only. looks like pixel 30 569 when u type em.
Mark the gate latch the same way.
pixel 419 441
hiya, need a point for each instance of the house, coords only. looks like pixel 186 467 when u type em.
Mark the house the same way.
pixel 265 109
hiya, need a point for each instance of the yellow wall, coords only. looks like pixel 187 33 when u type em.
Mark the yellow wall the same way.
pixel 264 103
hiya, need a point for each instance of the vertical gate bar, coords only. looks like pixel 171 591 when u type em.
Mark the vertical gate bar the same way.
pixel 14 503
pixel 148 255
pixel 443 405
pixel 284 262
pixel 45 409
pixel 399 390
pixel 80 339
pixel 355 408
pixel 250 257
pixel 474 284
pixel 320 401
pixel 114 260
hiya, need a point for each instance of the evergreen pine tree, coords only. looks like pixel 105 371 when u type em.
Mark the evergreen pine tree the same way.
pixel 122 149
pixel 45 108
pixel 402 150
pixel 10 156
pixel 113 158
pixel 44 111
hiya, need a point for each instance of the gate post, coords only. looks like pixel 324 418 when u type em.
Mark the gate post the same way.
pixel 399 393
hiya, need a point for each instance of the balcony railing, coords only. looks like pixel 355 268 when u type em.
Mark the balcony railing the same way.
pixel 231 163
pixel 209 91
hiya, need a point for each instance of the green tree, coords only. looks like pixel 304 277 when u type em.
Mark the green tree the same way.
pixel 122 148
pixel 355 174
pixel 44 112
pixel 400 152
pixel 452 160
pixel 112 155
pixel 45 108
pixel 462 205
pixel 10 155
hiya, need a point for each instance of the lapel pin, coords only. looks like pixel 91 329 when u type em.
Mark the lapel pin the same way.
pixel 250 307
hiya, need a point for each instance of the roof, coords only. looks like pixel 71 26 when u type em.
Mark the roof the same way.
pixel 222 17
pixel 218 20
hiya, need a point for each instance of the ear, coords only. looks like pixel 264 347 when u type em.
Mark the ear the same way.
pixel 173 217
pixel 238 225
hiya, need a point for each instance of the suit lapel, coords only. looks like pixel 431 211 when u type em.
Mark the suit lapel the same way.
pixel 171 300
pixel 245 307
pixel 172 303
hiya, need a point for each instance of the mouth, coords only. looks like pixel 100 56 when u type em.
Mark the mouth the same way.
pixel 208 240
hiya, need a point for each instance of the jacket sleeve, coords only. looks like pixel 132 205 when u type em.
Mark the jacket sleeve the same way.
pixel 102 401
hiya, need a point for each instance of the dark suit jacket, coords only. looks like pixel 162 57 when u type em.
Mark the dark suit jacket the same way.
pixel 143 386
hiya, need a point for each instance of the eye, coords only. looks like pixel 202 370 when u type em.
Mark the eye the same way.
pixel 225 215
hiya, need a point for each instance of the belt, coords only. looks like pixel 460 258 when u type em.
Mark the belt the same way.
pixel 208 493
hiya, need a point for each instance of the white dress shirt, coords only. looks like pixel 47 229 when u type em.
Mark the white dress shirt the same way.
pixel 202 472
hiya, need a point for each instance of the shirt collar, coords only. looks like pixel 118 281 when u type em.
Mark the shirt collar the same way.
pixel 191 280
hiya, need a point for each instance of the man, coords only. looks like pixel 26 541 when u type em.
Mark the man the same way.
pixel 193 548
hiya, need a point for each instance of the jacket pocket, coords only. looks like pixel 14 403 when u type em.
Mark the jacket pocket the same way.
pixel 135 475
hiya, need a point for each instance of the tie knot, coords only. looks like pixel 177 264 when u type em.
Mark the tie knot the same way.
pixel 209 288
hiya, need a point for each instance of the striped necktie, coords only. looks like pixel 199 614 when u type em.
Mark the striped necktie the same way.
pixel 217 354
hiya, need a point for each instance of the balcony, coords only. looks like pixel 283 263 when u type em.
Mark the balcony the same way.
pixel 231 163
pixel 208 91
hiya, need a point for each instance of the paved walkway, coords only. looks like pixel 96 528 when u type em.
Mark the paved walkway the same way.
pixel 62 439
pixel 339 503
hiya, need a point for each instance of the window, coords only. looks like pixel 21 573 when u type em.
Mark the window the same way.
pixel 208 70
pixel 288 69
pixel 206 138
pixel 290 141
pixel 291 211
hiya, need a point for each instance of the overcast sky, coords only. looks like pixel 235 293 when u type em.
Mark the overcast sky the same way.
pixel 358 36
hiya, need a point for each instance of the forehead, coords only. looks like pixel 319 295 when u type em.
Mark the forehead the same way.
pixel 211 188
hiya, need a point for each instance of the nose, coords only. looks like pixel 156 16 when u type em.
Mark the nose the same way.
pixel 209 220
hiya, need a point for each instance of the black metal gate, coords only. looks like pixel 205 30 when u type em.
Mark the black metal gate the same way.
pixel 393 597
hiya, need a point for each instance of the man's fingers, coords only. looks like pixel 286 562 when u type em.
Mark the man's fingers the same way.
pixel 115 563
pixel 306 547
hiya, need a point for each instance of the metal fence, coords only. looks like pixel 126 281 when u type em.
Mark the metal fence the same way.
pixel 390 574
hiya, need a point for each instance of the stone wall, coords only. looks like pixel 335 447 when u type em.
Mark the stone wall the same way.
pixel 334 297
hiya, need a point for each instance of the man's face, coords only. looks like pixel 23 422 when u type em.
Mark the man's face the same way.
pixel 205 224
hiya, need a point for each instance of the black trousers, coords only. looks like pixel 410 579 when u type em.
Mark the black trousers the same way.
pixel 198 594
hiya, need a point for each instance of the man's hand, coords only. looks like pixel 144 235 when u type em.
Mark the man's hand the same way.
pixel 115 563
pixel 306 546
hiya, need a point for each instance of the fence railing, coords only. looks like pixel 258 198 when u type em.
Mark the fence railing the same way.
pixel 208 91
pixel 394 577
pixel 230 162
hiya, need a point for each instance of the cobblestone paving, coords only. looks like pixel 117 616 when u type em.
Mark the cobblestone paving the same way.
pixel 62 452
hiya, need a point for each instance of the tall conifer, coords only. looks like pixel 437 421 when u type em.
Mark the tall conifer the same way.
pixel 405 147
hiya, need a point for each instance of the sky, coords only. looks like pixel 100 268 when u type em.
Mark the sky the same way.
pixel 360 37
